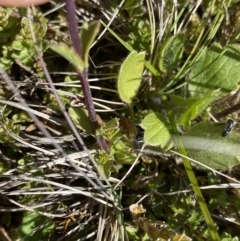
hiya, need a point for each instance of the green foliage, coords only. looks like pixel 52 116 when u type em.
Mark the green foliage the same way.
pixel 120 144
pixel 110 130
pixel 72 88
pixel 81 119
pixel 140 36
pixel 227 237
pixel 216 68
pixel 190 108
pixel 30 230
pixel 50 101
pixel 123 152
pixel 23 163
pixel 171 53
pixel 69 54
pixel 23 45
pixel 8 129
pixel 8 23
pixel 205 144
pixel 8 125
pixel 88 34
pixel 133 8
pixel 132 233
pixel 20 46
pixel 130 76
pixel 21 117
pixel 156 131
pixel 104 162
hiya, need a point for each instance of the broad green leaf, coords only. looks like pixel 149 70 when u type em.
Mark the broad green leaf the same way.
pixel 191 108
pixel 81 119
pixel 130 76
pixel 156 131
pixel 88 34
pixel 205 144
pixel 217 68
pixel 171 53
pixel 69 54
pixel 29 230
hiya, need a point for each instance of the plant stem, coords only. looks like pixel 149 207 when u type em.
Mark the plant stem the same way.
pixel 83 76
pixel 228 111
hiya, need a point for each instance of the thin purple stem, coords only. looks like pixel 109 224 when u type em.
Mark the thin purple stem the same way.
pixel 83 76
pixel 73 26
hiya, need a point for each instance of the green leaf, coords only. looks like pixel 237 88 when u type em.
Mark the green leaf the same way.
pixel 9 125
pixel 171 53
pixel 104 161
pixel 81 119
pixel 132 233
pixel 123 153
pixel 156 131
pixel 69 54
pixel 88 34
pixel 193 107
pixel 130 76
pixel 21 116
pixel 217 68
pixel 120 145
pixel 30 222
pixel 204 143
pixel 110 131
